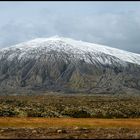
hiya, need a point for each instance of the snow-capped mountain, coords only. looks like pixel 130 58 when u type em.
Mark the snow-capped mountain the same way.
pixel 78 48
pixel 60 63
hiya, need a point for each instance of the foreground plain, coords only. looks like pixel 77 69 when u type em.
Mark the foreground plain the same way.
pixel 70 116
pixel 69 128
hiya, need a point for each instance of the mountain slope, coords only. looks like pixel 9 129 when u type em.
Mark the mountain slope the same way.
pixel 64 64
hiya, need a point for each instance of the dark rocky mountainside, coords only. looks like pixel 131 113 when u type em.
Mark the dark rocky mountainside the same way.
pixel 62 64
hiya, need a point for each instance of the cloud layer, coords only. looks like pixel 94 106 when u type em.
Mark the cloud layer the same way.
pixel 120 29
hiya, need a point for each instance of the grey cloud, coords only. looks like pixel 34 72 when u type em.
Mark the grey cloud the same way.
pixel 120 30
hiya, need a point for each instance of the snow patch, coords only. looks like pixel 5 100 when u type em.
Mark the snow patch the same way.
pixel 70 46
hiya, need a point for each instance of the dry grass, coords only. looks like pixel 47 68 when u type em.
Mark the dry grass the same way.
pixel 68 122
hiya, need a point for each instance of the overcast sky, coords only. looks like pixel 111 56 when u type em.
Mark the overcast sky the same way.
pixel 116 24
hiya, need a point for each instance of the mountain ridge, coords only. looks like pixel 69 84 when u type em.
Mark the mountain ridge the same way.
pixel 64 64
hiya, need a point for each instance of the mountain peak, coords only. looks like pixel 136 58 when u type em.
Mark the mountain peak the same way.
pixel 56 37
pixel 76 47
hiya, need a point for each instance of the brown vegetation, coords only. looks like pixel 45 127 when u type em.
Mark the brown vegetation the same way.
pixel 69 116
pixel 67 122
pixel 74 106
pixel 69 128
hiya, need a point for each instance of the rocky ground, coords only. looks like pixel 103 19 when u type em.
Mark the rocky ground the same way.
pixel 70 133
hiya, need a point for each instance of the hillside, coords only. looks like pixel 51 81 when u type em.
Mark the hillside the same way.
pixel 67 65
